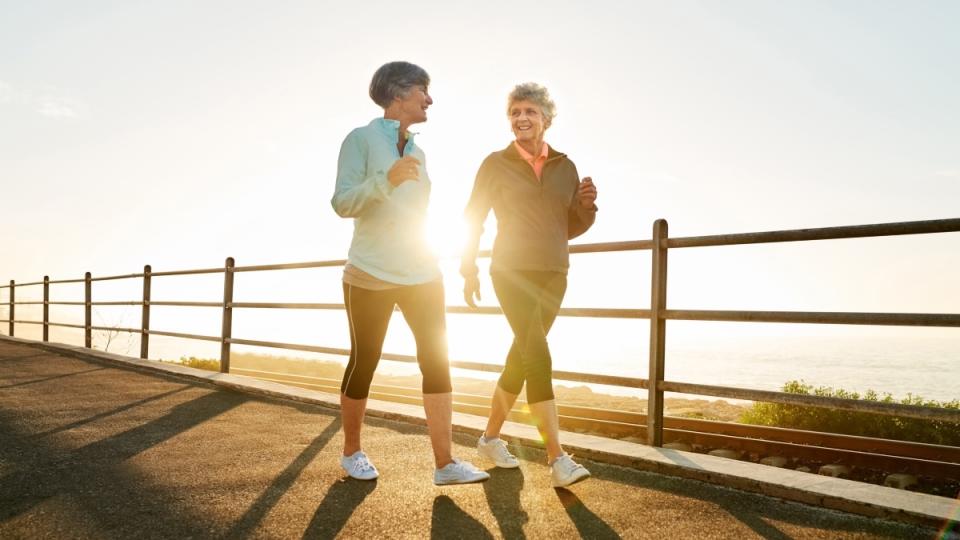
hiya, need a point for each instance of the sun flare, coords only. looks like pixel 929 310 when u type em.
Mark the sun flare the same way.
pixel 445 235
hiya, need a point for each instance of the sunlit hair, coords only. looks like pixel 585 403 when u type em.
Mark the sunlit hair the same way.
pixel 395 79
pixel 534 93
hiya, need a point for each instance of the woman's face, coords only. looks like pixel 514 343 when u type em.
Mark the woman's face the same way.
pixel 414 105
pixel 526 121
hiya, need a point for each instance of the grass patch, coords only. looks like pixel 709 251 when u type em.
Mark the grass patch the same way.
pixel 863 424
pixel 200 363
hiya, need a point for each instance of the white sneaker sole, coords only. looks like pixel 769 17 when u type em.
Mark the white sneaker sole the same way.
pixel 579 477
pixel 457 481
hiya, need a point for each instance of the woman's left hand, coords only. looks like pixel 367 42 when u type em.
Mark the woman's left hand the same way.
pixel 471 290
pixel 587 192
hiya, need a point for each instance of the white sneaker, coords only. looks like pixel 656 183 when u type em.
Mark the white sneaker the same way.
pixel 566 471
pixel 496 451
pixel 458 472
pixel 358 466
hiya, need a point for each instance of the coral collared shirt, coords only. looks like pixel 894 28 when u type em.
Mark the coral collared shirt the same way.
pixel 535 162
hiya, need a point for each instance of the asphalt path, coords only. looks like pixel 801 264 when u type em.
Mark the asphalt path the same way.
pixel 90 450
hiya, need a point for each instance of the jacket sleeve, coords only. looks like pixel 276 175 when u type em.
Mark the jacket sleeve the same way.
pixel 358 188
pixel 580 219
pixel 481 200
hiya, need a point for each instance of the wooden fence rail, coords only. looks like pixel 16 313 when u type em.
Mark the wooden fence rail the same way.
pixel 658 314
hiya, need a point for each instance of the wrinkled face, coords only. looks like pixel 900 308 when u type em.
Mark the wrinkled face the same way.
pixel 527 121
pixel 414 105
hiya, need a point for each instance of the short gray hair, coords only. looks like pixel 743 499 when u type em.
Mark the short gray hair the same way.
pixel 535 93
pixel 395 79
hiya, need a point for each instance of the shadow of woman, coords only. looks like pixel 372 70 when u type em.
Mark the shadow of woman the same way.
pixel 271 496
pixel 503 496
pixel 449 521
pixel 342 498
pixel 588 524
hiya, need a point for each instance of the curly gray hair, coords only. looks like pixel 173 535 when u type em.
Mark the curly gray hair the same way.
pixel 534 93
pixel 395 79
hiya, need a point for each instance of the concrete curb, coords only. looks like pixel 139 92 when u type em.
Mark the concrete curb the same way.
pixel 835 493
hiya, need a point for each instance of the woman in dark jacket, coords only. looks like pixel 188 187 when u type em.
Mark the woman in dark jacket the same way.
pixel 540 203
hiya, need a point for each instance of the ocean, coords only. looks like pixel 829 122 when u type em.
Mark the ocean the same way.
pixel 899 361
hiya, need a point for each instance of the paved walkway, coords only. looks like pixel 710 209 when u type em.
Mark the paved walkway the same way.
pixel 91 450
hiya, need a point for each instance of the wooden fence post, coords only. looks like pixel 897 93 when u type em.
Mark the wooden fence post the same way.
pixel 12 306
pixel 227 328
pixel 145 314
pixel 658 326
pixel 46 308
pixel 88 311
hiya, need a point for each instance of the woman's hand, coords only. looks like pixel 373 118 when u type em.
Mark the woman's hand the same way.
pixel 403 169
pixel 587 192
pixel 471 289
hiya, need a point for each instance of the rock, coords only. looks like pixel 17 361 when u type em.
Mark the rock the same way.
pixel 725 453
pixel 900 481
pixel 679 446
pixel 774 461
pixel 803 468
pixel 835 470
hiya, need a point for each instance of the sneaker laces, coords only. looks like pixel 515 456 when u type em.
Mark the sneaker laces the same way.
pixel 361 464
pixel 500 449
pixel 465 466
pixel 566 464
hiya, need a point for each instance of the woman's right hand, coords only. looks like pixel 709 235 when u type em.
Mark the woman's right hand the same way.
pixel 471 289
pixel 403 169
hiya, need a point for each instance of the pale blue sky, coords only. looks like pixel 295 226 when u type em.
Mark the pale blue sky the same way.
pixel 180 133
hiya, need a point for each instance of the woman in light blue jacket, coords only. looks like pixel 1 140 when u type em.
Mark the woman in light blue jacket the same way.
pixel 382 184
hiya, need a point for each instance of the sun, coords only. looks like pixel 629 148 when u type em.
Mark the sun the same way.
pixel 445 233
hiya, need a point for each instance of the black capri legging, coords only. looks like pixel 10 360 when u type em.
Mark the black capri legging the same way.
pixel 368 314
pixel 530 300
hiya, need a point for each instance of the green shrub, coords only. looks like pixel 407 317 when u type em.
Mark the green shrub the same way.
pixel 200 363
pixel 854 422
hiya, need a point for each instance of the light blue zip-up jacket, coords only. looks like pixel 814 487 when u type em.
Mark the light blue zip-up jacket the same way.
pixel 388 236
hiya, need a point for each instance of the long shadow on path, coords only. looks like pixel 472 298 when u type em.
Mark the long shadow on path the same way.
pixel 502 491
pixel 112 412
pixel 588 524
pixel 23 357
pixel 275 491
pixel 96 478
pixel 449 521
pixel 52 377
pixel 342 498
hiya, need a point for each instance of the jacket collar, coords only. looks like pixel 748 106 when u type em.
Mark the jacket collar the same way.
pixel 390 128
pixel 510 152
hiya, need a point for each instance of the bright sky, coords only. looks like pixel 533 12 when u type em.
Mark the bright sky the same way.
pixel 179 133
